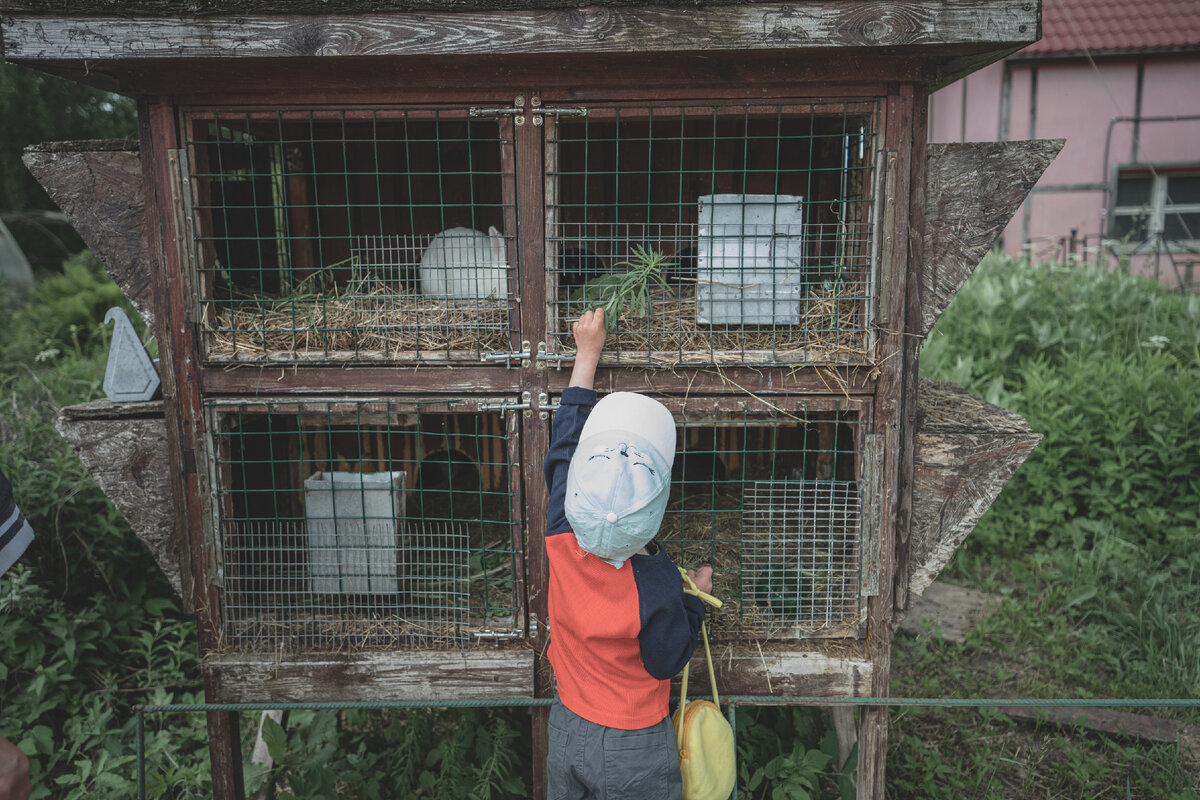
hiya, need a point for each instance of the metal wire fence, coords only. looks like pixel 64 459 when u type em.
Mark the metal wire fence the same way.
pixel 365 524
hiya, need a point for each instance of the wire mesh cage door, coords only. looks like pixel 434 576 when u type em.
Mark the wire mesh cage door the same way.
pixel 347 234
pixel 720 233
pixel 366 525
pixel 774 496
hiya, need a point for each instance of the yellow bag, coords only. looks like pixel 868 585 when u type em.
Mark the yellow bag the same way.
pixel 706 753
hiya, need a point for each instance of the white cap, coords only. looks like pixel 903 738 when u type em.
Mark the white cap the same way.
pixel 620 475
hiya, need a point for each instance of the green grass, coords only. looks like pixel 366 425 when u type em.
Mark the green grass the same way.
pixel 1092 545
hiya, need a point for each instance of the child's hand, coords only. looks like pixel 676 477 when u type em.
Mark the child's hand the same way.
pixel 590 333
pixel 702 577
pixel 589 341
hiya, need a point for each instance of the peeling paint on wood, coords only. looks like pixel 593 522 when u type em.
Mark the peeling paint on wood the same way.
pixel 781 672
pixel 98 185
pixel 124 447
pixel 972 191
pixel 885 23
pixel 483 673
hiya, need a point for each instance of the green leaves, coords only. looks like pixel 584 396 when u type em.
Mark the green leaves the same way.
pixel 629 291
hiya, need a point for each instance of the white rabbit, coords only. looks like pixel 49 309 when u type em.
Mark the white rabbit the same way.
pixel 462 263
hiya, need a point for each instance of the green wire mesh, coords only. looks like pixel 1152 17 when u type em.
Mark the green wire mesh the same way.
pixel 364 525
pixel 773 503
pixel 389 233
pixel 350 234
pixel 762 212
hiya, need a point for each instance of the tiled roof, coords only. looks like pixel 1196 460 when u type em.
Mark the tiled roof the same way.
pixel 1075 26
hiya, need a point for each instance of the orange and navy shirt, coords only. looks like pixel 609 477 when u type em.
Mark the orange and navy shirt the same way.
pixel 617 636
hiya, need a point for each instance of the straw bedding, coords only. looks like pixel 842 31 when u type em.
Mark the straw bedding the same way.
pixel 381 324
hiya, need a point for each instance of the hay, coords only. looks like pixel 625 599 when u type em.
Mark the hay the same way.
pixel 369 324
pixel 708 530
pixel 670 335
pixel 375 322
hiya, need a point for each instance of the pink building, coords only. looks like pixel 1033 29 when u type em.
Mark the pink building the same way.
pixel 1120 81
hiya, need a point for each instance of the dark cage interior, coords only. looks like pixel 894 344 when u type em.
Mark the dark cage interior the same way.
pixel 352 233
pixel 759 216
pixel 372 525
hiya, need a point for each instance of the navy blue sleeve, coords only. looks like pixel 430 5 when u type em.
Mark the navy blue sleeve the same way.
pixel 574 407
pixel 670 619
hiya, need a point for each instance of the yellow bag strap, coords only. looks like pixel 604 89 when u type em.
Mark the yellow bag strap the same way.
pixel 712 677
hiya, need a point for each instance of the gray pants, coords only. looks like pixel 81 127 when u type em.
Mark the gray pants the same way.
pixel 587 761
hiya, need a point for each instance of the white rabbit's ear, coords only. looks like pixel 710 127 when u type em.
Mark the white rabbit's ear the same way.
pixel 498 249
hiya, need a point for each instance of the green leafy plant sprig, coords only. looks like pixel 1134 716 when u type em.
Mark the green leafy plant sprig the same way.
pixel 627 291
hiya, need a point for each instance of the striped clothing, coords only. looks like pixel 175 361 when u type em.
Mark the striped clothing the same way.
pixel 15 531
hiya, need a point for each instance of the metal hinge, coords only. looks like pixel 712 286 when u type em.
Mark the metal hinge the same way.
pixel 525 404
pixel 523 355
pixel 557 358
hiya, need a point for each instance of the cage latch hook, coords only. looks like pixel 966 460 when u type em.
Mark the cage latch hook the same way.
pixel 525 404
pixel 558 358
pixel 523 355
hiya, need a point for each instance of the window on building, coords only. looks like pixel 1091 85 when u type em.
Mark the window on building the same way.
pixel 1151 204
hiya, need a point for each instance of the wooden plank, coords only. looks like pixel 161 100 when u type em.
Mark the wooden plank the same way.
pixel 972 191
pixel 784 670
pixel 948 612
pixel 966 451
pixel 413 675
pixel 937 24
pixel 124 448
pixel 1103 720
pixel 98 185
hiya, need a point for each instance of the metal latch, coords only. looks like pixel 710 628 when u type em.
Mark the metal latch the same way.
pixel 545 406
pixel 517 112
pixel 523 355
pixel 539 111
pixel 496 637
pixel 557 358
pixel 525 404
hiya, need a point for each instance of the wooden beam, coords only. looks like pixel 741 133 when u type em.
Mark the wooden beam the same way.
pixel 938 24
pixel 966 451
pixel 124 447
pixel 972 191
pixel 784 670
pixel 481 673
pixel 98 185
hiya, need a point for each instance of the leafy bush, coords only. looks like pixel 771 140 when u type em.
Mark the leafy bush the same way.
pixel 1091 543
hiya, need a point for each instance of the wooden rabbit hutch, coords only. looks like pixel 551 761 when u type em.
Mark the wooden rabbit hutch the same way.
pixel 361 238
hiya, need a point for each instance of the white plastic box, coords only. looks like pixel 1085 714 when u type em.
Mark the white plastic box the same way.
pixel 749 265
pixel 354 524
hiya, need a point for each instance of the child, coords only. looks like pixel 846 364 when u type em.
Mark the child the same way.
pixel 620 624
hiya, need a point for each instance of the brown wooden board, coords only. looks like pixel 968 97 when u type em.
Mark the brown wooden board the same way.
pixel 966 451
pixel 481 673
pixel 936 24
pixel 124 448
pixel 98 185
pixel 972 191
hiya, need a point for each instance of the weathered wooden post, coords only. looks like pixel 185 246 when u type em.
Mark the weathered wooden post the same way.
pixel 273 223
